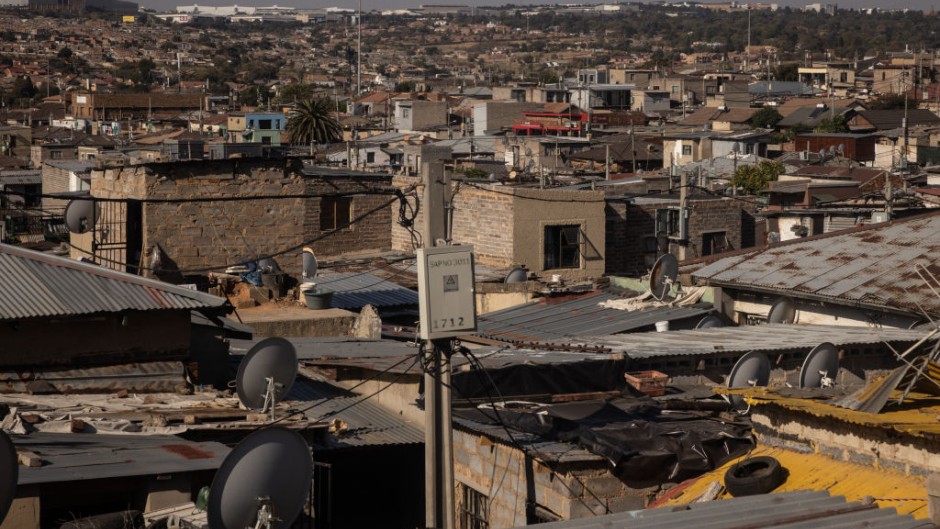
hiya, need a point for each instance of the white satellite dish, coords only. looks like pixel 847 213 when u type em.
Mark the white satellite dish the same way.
pixel 80 215
pixel 263 482
pixel 782 311
pixel 310 267
pixel 751 370
pixel 820 366
pixel 266 374
pixel 663 275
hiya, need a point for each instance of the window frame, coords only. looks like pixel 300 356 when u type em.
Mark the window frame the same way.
pixel 474 509
pixel 331 211
pixel 558 256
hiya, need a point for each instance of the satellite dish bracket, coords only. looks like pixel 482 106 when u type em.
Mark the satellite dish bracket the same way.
pixel 266 516
pixel 271 392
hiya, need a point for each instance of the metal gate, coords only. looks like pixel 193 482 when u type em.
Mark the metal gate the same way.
pixel 321 496
pixel 118 235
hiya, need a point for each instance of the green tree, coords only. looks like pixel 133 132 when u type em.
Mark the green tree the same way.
pixel 835 124
pixel 766 118
pixel 311 123
pixel 752 179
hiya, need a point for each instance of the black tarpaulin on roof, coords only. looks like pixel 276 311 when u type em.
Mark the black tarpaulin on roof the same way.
pixel 520 380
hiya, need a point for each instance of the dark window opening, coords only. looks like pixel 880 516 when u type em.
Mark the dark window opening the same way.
pixel 713 243
pixel 370 157
pixel 264 124
pixel 562 247
pixel 334 212
pixel 474 510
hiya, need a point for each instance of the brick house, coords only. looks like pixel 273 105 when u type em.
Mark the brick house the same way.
pixel 715 225
pixel 550 231
pixel 213 213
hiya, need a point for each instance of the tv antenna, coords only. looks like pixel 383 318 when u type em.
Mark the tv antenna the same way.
pixel 820 367
pixel 783 310
pixel 80 215
pixel 751 370
pixel 266 374
pixel 9 474
pixel 263 482
pixel 663 276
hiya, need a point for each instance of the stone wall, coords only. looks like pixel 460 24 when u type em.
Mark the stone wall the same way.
pixel 511 482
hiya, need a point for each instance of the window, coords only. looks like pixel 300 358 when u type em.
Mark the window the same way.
pixel 562 247
pixel 405 112
pixel 251 123
pixel 264 124
pixel 370 157
pixel 474 509
pixel 686 150
pixel 334 212
pixel 675 89
pixel 55 155
pixel 713 243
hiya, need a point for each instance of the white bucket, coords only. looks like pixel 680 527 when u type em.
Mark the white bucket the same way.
pixel 556 278
pixel 662 326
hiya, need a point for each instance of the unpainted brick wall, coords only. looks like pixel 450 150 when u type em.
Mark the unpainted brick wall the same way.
pixel 499 472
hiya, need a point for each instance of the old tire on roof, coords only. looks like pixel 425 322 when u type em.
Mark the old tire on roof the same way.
pixel 754 475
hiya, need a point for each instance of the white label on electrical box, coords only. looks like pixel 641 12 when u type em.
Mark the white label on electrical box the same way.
pixel 446 292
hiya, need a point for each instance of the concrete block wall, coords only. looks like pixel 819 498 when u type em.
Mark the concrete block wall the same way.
pixel 485 220
pixel 54 180
pixel 198 235
pixel 372 233
pixel 627 227
pixel 499 472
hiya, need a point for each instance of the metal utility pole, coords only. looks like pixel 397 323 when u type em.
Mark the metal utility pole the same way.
pixel 607 162
pixel 359 52
pixel 438 432
pixel 683 205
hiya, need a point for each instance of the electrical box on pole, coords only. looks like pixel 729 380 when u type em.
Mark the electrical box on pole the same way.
pixel 446 292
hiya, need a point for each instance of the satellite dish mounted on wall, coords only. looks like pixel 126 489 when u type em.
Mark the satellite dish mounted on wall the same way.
pixel 263 482
pixel 516 275
pixel 9 474
pixel 751 370
pixel 710 322
pixel 80 215
pixel 663 275
pixel 782 311
pixel 820 367
pixel 266 374
pixel 310 264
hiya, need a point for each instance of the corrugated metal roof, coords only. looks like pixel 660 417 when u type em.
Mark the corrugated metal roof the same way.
pixel 581 316
pixel 355 290
pixel 143 377
pixel 768 337
pixel 813 471
pixel 550 451
pixel 36 284
pixel 790 510
pixel 368 423
pixel 326 347
pixel 872 267
pixel 80 457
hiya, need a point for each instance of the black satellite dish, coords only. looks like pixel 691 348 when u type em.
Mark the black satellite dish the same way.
pixel 709 322
pixel 263 482
pixel 266 374
pixel 517 275
pixel 663 275
pixel 80 215
pixel 782 311
pixel 9 474
pixel 310 264
pixel 820 366
pixel 751 370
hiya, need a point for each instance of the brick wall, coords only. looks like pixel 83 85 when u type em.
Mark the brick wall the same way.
pixel 629 225
pixel 500 473
pixel 199 235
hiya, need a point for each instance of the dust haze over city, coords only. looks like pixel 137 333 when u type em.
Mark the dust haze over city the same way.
pixel 465 265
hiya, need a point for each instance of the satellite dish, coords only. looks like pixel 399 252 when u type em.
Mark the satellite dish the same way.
pixel 266 374
pixel 9 474
pixel 80 215
pixel 822 154
pixel 832 150
pixel 710 322
pixel 262 483
pixel 517 275
pixel 782 311
pixel 841 149
pixel 663 275
pixel 310 264
pixel 751 370
pixel 820 366
pixel 528 152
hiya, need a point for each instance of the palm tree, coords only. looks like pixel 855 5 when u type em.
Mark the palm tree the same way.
pixel 311 123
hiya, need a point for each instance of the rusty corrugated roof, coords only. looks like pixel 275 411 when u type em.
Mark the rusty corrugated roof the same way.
pixel 872 267
pixel 36 284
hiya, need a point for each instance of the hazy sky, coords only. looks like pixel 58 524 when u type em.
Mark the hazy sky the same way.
pixel 390 4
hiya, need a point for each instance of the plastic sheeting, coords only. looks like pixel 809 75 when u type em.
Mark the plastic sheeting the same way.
pixel 541 379
pixel 642 444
